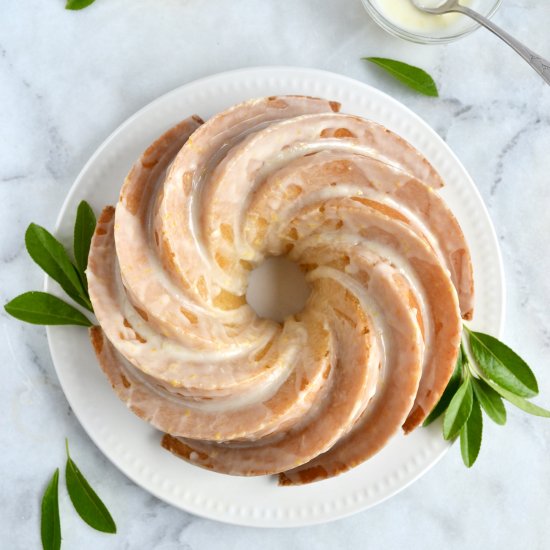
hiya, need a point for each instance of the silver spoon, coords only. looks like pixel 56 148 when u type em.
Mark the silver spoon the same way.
pixel 541 65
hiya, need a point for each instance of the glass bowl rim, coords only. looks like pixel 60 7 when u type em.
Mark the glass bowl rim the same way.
pixel 399 32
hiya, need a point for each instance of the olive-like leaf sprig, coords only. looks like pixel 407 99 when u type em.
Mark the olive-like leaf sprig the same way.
pixel 84 499
pixel 487 373
pixel 42 308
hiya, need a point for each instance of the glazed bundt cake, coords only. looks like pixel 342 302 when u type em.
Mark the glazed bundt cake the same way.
pixel 357 208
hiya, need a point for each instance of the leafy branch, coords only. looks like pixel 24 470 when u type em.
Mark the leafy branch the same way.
pixel 487 371
pixel 42 308
pixel 84 499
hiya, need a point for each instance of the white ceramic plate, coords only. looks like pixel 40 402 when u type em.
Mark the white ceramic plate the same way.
pixel 131 444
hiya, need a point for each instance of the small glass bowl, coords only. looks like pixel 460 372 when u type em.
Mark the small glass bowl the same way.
pixel 439 36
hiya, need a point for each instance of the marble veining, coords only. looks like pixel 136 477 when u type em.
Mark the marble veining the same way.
pixel 68 79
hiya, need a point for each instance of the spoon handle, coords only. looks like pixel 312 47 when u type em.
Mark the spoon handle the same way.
pixel 541 65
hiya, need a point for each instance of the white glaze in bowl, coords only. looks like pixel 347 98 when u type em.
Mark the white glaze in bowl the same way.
pixel 408 23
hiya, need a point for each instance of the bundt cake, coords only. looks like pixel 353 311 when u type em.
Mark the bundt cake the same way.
pixel 357 208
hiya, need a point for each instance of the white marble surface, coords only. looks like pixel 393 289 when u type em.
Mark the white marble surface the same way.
pixel 68 79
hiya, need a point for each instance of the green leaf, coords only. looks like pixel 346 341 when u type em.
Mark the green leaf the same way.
pixel 459 410
pixel 86 502
pixel 503 366
pixel 41 308
pixel 50 524
pixel 413 77
pixel 490 400
pixel 520 402
pixel 450 390
pixel 471 435
pixel 84 228
pixel 52 257
pixel 78 4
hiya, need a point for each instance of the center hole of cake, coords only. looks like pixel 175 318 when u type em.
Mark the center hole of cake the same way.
pixel 277 288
